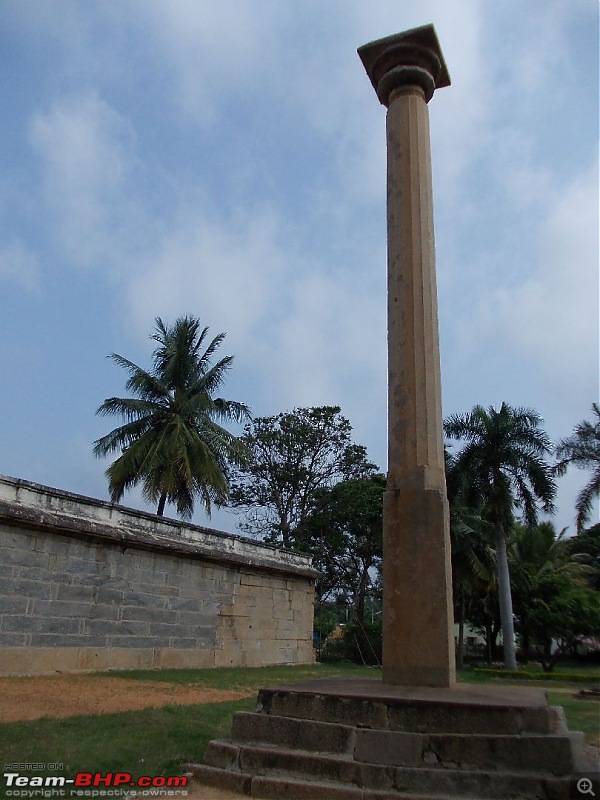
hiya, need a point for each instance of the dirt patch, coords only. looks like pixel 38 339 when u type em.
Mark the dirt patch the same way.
pixel 74 695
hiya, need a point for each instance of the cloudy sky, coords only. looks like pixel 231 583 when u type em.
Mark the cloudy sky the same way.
pixel 227 160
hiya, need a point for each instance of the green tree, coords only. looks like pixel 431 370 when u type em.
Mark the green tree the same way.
pixel 344 534
pixel 582 449
pixel 552 601
pixel 473 556
pixel 171 441
pixel 292 455
pixel 503 463
pixel 587 544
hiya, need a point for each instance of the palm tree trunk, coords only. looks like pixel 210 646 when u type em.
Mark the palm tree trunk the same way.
pixel 505 600
pixel 161 504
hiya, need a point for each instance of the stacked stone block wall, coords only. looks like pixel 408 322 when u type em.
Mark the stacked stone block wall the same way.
pixel 108 596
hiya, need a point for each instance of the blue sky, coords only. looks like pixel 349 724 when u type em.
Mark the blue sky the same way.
pixel 227 160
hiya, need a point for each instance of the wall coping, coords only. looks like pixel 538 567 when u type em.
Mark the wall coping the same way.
pixel 45 508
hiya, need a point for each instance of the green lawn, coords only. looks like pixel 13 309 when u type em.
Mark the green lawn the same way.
pixel 159 741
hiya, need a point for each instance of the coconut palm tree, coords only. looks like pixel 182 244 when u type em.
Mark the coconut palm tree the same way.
pixel 504 465
pixel 582 449
pixel 171 441
pixel 473 556
pixel 543 564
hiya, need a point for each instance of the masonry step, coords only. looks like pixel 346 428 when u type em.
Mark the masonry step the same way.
pixel 469 709
pixel 275 787
pixel 522 753
pixel 364 740
pixel 274 761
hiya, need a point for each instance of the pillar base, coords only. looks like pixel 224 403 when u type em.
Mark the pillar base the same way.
pixel 418 624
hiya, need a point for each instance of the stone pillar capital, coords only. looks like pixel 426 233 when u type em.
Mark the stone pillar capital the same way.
pixel 409 60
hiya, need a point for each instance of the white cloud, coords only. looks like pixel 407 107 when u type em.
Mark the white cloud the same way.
pixel 85 148
pixel 19 265
pixel 207 50
pixel 228 271
pixel 552 316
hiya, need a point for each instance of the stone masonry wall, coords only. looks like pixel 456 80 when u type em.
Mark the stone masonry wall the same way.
pixel 85 585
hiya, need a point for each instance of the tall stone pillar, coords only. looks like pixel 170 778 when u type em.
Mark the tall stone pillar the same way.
pixel 418 631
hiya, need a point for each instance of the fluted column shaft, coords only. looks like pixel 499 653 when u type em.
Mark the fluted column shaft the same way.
pixel 418 628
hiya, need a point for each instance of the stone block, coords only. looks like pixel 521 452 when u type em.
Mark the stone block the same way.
pixel 185 604
pixel 186 643
pixel 36 589
pixel 223 780
pixel 137 642
pixel 59 608
pixel 115 658
pixel 101 611
pixel 386 747
pixel 12 639
pixel 37 660
pixel 190 618
pixel 164 629
pixel 24 557
pixel 518 753
pixel 362 713
pixel 109 596
pixel 29 624
pixel 34 574
pixel 135 598
pixel 222 754
pixel 82 594
pixel 149 614
pixel 12 605
pixel 288 732
pixel 8 571
pixel 51 640
pixel 116 627
pixel 183 659
pixel 92 640
pixel 274 788
pixel 78 566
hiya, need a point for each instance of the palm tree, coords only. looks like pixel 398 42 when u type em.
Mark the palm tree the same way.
pixel 504 468
pixel 541 563
pixel 171 440
pixel 473 557
pixel 582 448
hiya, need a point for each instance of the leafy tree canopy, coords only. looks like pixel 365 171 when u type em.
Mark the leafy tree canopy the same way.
pixel 292 455
pixel 503 467
pixel 344 533
pixel 582 449
pixel 172 441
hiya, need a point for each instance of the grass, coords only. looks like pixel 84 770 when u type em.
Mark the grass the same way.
pixel 148 742
pixel 564 673
pixel 582 715
pixel 160 741
pixel 242 678
pixel 151 741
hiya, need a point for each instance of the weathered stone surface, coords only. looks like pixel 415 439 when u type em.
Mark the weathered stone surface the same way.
pixel 290 732
pixel 418 640
pixel 287 748
pixel 124 581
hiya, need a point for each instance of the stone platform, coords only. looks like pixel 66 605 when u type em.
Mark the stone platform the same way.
pixel 340 739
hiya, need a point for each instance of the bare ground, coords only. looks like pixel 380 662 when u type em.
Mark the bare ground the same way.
pixel 73 695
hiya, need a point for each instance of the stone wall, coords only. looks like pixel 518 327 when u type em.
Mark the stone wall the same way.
pixel 88 585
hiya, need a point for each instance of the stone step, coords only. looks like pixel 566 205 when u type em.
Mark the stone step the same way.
pixel 273 761
pixel 522 753
pixel 363 703
pixel 268 786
